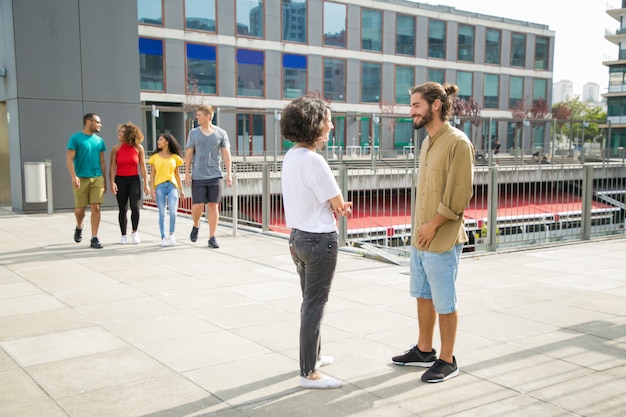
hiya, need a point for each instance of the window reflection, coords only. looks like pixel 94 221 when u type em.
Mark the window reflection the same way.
pixel 335 79
pixel 541 53
pixel 250 18
pixel 405 79
pixel 436 39
pixel 294 75
pixel 370 82
pixel 150 12
pixel 492 47
pixel 490 99
pixel 464 81
pixel 518 50
pixel 201 69
pixel 405 35
pixel 200 15
pixel 151 64
pixel 371 30
pixel 294 20
pixel 334 24
pixel 516 90
pixel 466 43
pixel 250 73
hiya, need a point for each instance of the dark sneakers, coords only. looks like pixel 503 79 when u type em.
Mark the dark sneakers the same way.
pixel 213 243
pixel 95 243
pixel 441 371
pixel 194 233
pixel 78 235
pixel 415 357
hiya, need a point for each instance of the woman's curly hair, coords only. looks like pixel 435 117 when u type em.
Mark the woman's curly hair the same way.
pixel 303 120
pixel 132 134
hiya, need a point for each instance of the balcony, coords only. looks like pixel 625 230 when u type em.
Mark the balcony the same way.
pixel 615 8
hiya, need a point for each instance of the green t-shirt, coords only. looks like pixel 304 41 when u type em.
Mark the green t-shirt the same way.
pixel 88 150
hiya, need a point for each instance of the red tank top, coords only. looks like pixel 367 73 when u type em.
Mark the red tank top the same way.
pixel 127 161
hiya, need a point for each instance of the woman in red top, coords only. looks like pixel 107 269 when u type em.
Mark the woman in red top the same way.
pixel 126 156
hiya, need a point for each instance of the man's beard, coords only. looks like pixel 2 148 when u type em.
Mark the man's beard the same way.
pixel 424 120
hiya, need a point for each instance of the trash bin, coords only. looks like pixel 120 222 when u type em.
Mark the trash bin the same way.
pixel 35 182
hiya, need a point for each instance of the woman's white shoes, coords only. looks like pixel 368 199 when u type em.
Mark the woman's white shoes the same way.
pixel 326 382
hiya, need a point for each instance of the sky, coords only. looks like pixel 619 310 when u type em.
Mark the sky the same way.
pixel 579 26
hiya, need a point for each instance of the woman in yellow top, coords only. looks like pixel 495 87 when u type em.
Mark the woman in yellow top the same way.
pixel 165 182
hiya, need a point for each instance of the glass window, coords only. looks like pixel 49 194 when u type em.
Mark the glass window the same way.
pixel 464 81
pixel 436 75
pixel 371 30
pixel 539 89
pixel 541 53
pixel 370 82
pixel 518 50
pixel 151 64
pixel 617 79
pixel 466 43
pixel 492 85
pixel 250 73
pixel 492 46
pixel 335 24
pixel 250 18
pixel 201 69
pixel 294 75
pixel 405 79
pixel 405 35
pixel 436 39
pixel 334 79
pixel 200 15
pixel 516 90
pixel 150 12
pixel 294 20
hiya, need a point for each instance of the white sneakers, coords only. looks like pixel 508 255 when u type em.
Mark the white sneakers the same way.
pixel 168 241
pixel 122 240
pixel 325 382
pixel 135 237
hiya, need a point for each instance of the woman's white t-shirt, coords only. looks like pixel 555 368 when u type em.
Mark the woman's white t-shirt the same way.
pixel 307 185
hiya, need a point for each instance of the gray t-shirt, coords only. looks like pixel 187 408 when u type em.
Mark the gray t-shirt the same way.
pixel 207 152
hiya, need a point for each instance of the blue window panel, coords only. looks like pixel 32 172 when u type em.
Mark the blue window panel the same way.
pixel 294 61
pixel 150 46
pixel 204 52
pixel 249 57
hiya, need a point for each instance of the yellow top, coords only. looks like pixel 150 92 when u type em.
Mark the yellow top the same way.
pixel 164 169
pixel 444 186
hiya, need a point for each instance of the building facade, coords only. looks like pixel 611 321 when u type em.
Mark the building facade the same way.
pixel 562 91
pixel 616 94
pixel 153 61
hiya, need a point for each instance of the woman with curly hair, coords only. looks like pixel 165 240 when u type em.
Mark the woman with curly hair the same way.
pixel 165 181
pixel 127 161
pixel 311 199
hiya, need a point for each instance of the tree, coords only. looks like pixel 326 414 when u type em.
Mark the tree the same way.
pixel 539 111
pixel 520 112
pixel 470 109
pixel 571 115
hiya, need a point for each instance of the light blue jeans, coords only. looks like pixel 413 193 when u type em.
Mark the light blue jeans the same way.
pixel 167 190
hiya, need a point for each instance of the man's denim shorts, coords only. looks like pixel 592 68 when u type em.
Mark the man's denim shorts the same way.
pixel 433 276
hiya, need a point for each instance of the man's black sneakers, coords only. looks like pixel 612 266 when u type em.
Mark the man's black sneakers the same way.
pixel 78 235
pixel 441 371
pixel 213 243
pixel 415 357
pixel 95 243
pixel 194 233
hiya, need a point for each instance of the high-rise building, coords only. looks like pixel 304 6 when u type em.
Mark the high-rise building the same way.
pixel 616 94
pixel 591 92
pixel 562 91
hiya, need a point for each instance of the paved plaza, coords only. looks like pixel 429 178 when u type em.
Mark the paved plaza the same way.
pixel 140 330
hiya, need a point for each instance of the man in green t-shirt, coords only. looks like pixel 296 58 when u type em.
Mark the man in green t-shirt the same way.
pixel 87 167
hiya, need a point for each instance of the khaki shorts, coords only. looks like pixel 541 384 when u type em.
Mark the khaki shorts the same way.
pixel 91 191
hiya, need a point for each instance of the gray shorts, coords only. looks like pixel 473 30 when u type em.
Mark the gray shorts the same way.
pixel 206 191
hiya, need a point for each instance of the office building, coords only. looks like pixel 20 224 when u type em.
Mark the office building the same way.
pixel 562 91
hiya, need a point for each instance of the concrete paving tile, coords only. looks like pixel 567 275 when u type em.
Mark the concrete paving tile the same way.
pixel 520 370
pixel 613 329
pixel 259 273
pixel 7 276
pixel 277 336
pixel 269 290
pixel 166 396
pixel 366 320
pixel 18 391
pixel 200 351
pixel 97 295
pixel 519 406
pixel 618 372
pixel 556 313
pixel 45 408
pixel 465 392
pixel 503 327
pixel 76 376
pixel 581 282
pixel 62 345
pixel 171 284
pixel 45 322
pixel 200 300
pixel 232 317
pixel 591 395
pixel 51 269
pixel 371 294
pixel 125 310
pixel 28 304
pixel 6 363
pixel 160 328
pixel 492 299
pixel 274 375
pixel 578 348
pixel 17 289
pixel 72 282
pixel 603 302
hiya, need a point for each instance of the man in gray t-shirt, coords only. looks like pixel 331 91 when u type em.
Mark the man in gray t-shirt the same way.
pixel 206 145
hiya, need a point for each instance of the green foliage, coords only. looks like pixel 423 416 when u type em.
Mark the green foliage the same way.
pixel 570 115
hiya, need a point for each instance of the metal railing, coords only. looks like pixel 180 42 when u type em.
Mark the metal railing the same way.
pixel 523 201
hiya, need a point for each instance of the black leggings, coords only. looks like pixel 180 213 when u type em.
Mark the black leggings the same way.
pixel 128 188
